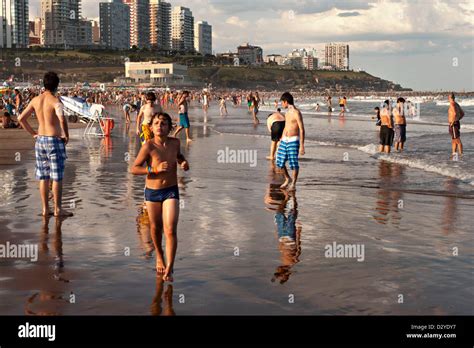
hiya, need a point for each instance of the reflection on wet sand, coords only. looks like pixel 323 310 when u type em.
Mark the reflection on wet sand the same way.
pixel 448 223
pixel 50 302
pixel 156 306
pixel 143 228
pixel 389 198
pixel 289 235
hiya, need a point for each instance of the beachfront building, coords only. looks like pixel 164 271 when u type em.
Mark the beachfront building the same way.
pixel 84 33
pixel 95 33
pixel 34 38
pixel 182 29
pixel 160 25
pixel 310 63
pixel 276 59
pixel 14 26
pixel 139 22
pixel 156 73
pixel 114 25
pixel 337 56
pixel 203 38
pixel 250 55
pixel 60 20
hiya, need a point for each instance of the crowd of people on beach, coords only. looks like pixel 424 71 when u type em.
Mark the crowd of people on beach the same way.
pixel 160 154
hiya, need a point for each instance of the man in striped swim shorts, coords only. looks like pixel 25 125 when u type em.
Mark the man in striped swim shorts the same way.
pixel 292 143
pixel 51 140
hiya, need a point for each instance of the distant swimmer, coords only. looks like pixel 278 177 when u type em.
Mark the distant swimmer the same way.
pixel 400 125
pixel 51 140
pixel 161 192
pixel 455 115
pixel 144 117
pixel 276 126
pixel 223 106
pixel 183 116
pixel 205 101
pixel 386 129
pixel 255 100
pixel 318 107
pixel 329 102
pixel 343 106
pixel 292 143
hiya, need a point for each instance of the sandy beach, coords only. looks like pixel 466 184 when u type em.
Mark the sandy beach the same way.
pixel 231 258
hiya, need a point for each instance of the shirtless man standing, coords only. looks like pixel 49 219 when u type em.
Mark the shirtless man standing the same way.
pixel 400 125
pixel 455 114
pixel 386 129
pixel 292 143
pixel 161 192
pixel 146 112
pixel 51 140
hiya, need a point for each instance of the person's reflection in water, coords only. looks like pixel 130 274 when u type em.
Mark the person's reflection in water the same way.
pixel 450 208
pixel 389 196
pixel 288 233
pixel 51 301
pixel 144 234
pixel 156 307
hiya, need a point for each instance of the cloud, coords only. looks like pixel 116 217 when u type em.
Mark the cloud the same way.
pixel 234 20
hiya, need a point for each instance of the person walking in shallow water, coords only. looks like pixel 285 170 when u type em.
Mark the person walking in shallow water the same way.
pixel 162 155
pixel 455 115
pixel 400 125
pixel 386 129
pixel 292 143
pixel 51 140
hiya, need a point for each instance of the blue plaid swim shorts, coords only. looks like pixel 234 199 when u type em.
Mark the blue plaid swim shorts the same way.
pixel 288 151
pixel 50 158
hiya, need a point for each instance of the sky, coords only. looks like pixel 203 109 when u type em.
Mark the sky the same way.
pixel 420 44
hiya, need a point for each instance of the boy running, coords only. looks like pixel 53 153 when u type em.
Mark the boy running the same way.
pixel 161 192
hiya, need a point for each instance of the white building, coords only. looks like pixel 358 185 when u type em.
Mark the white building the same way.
pixel 337 56
pixel 182 29
pixel 203 38
pixel 250 55
pixel 278 59
pixel 156 73
pixel 14 25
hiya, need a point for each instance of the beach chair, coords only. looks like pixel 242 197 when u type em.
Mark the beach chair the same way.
pixel 99 124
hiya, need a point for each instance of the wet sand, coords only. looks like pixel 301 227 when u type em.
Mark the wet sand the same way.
pixel 408 246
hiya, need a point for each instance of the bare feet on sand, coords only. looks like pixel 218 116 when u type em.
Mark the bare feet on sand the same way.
pixel 285 184
pixel 168 276
pixel 62 213
pixel 160 267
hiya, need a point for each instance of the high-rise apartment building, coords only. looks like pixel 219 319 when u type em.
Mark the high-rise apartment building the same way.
pixel 160 25
pixel 139 22
pixel 114 25
pixel 203 38
pixel 182 32
pixel 14 26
